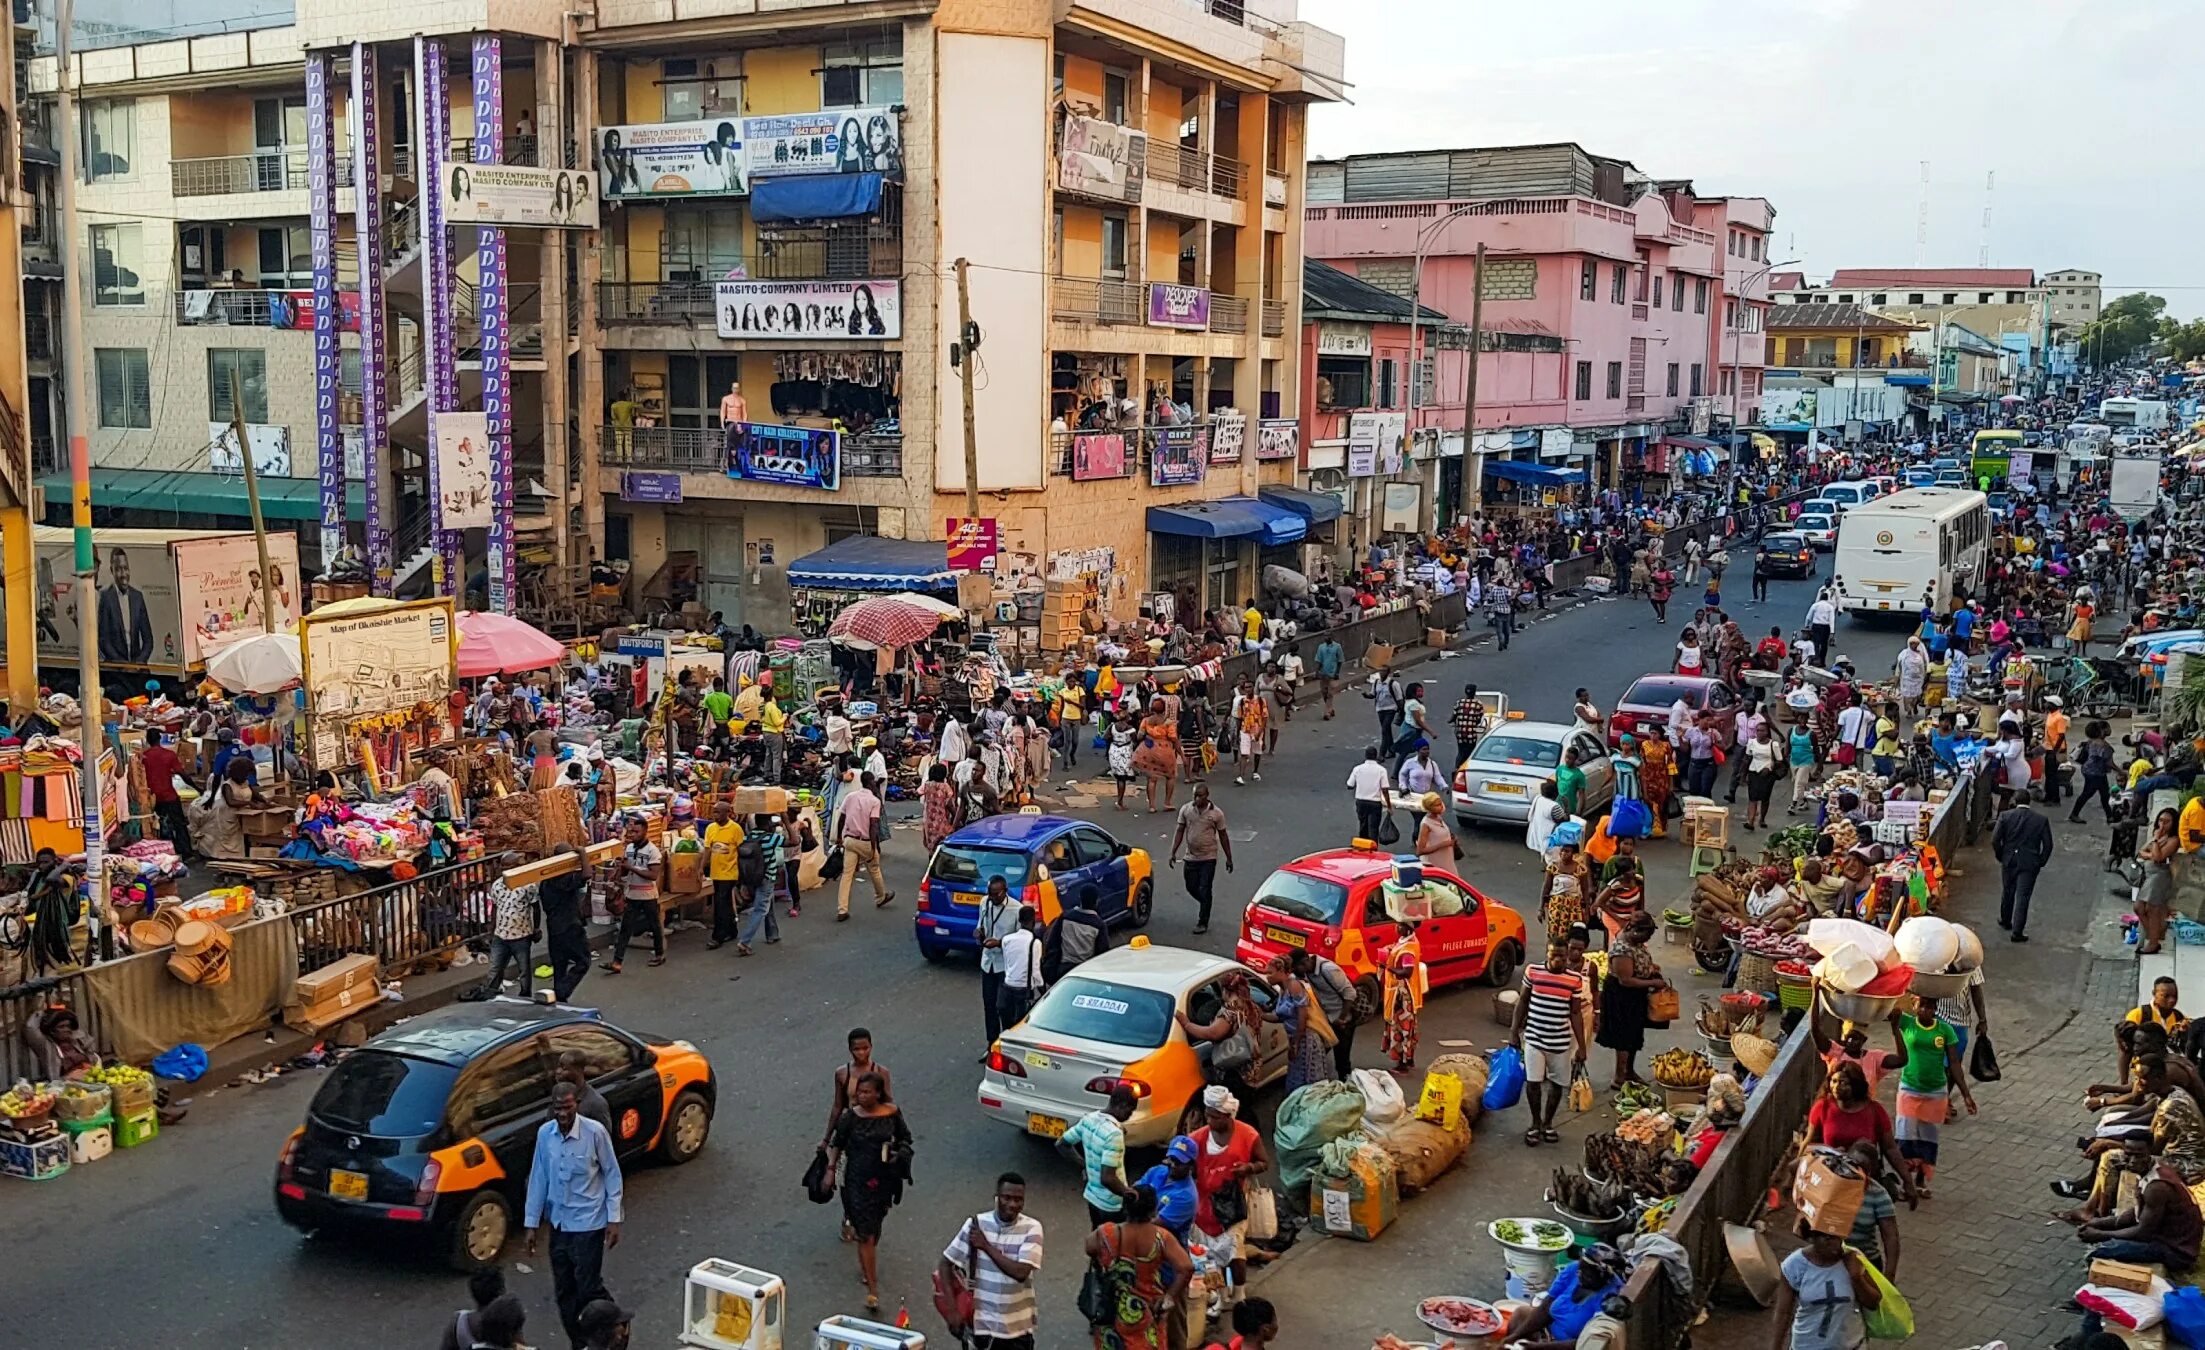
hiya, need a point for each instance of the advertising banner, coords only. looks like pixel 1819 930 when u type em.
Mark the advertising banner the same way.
pixel 374 334
pixel 1180 456
pixel 218 589
pixel 321 307
pixel 973 544
pixel 1228 437
pixel 1393 440
pixel 672 159
pixel 135 608
pixel 823 311
pixel 295 310
pixel 1279 438
pixel 271 451
pixel 433 115
pixel 1102 159
pixel 357 666
pixel 662 489
pixel 491 304
pixel 1098 454
pixel 837 140
pixel 463 470
pixel 518 194
pixel 765 452
pixel 1178 306
pixel 1362 448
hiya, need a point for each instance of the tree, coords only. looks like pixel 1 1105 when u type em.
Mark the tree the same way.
pixel 2185 342
pixel 2122 331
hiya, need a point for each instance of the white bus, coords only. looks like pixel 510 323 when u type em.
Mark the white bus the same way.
pixel 2133 414
pixel 1898 552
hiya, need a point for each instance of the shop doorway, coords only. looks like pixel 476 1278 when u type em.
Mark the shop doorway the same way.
pixel 718 545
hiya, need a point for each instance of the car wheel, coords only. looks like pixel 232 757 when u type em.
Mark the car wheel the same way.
pixel 687 1127
pixel 1369 991
pixel 480 1230
pixel 1500 968
pixel 1192 1117
pixel 933 953
pixel 1144 903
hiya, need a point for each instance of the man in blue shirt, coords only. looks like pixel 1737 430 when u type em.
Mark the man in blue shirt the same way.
pixel 1963 628
pixel 574 1189
pixel 1331 658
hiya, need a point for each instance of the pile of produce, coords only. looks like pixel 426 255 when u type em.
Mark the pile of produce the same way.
pixel 1725 1020
pixel 1787 844
pixel 1681 1068
pixel 1633 1099
pixel 118 1075
pixel 1586 1198
pixel 1629 1156
pixel 27 1102
pixel 1539 1234
pixel 1775 945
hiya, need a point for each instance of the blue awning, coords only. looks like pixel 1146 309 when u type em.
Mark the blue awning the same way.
pixel 867 562
pixel 1314 507
pixel 1229 518
pixel 1693 442
pixel 1531 475
pixel 822 196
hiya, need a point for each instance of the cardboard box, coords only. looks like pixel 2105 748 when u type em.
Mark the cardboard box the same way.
pixel 2121 1275
pixel 1378 655
pixel 348 973
pixel 753 801
pixel 1436 637
pixel 685 872
pixel 1829 1192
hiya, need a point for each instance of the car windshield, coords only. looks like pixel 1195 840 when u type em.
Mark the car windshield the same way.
pixel 974 868
pixel 1518 750
pixel 1104 1010
pixel 1814 520
pixel 1300 896
pixel 1655 692
pixel 1784 541
pixel 374 1092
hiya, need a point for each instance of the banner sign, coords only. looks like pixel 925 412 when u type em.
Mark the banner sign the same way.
pixel 662 489
pixel 824 311
pixel 1279 438
pixel 672 159
pixel 517 194
pixel 295 310
pixel 218 589
pixel 463 471
pixel 837 140
pixel 1362 448
pixel 1228 437
pixel 973 544
pixel 1393 440
pixel 322 305
pixel 1343 339
pixel 766 452
pixel 374 337
pixel 271 450
pixel 433 116
pixel 1172 306
pixel 491 303
pixel 1179 457
pixel 1102 159
pixel 1097 455
pixel 357 666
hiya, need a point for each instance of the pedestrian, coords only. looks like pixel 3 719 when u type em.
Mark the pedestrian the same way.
pixel 1661 583
pixel 859 1062
pixel 638 870
pixel 1022 979
pixel 566 940
pixel 1156 752
pixel 162 769
pixel 574 1194
pixel 1569 782
pixel 1701 748
pixel 861 831
pixel 1692 554
pixel 1252 715
pixel 1097 1142
pixel 998 920
pixel 1416 729
pixel 512 933
pixel 1912 669
pixel 1586 714
pixel 2095 762
pixel 1386 696
pixel 1632 977
pixel 723 838
pixel 1435 839
pixel 2056 725
pixel 760 876
pixel 1567 892
pixel 1825 1285
pixel 1228 1152
pixel 1401 997
pixel 1331 658
pixel 937 808
pixel 1373 794
pixel 1147 1270
pixel 1290 668
pixel 485 1287
pixel 495 1325
pixel 1822 623
pixel 1931 1048
pixel 996 1255
pixel 573 1067
pixel 871 1143
pixel 1078 934
pixel 1801 756
pixel 1761 572
pixel 605 1326
pixel 1763 759
pixel 795 834
pixel 2155 895
pixel 1551 1034
pixel 1123 744
pixel 1201 839
pixel 1469 723
pixel 1502 607
pixel 1295 1010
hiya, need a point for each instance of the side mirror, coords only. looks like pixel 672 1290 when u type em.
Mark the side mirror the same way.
pixel 1125 851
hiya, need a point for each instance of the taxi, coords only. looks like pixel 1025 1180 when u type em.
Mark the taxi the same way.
pixel 430 1127
pixel 1330 903
pixel 1045 860
pixel 1109 1022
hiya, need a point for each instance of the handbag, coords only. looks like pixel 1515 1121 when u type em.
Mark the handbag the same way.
pixel 1098 1298
pixel 1664 1005
pixel 953 1290
pixel 832 867
pixel 1263 1214
pixel 1229 1203
pixel 1983 1060
pixel 819 1181
pixel 1237 1051
pixel 1321 1025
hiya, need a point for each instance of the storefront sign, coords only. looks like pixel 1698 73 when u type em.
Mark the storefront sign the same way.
pixel 973 544
pixel 463 470
pixel 1097 454
pixel 219 591
pixel 1180 456
pixel 1279 438
pixel 662 489
pixel 1362 447
pixel 1228 437
pixel 271 449
pixel 1178 306
pixel 1341 339
pixel 819 311
pixel 766 452
pixel 1393 440
pixel 1102 159
pixel 672 159
pixel 518 194
pixel 363 665
pixel 837 140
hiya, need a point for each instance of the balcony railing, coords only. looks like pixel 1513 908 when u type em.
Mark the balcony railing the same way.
pixel 260 171
pixel 672 302
pixel 1097 300
pixel 516 150
pixel 1274 318
pixel 829 251
pixel 1140 444
pixel 1228 313
pixel 44 458
pixel 1193 171
pixel 867 454
pixel 201 306
pixel 38 337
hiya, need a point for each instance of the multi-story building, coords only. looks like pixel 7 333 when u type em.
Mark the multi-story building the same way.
pixel 1988 300
pixel 1748 273
pixel 2074 296
pixel 784 197
pixel 18 496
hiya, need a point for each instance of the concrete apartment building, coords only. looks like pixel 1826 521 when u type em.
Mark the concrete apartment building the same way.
pixel 2075 296
pixel 1124 176
pixel 1991 301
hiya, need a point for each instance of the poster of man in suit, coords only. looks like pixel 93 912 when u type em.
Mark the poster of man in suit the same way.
pixel 125 626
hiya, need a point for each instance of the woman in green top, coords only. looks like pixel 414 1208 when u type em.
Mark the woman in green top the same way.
pixel 1931 1048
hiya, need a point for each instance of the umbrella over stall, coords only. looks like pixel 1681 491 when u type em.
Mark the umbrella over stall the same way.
pixel 265 663
pixel 494 644
pixel 889 621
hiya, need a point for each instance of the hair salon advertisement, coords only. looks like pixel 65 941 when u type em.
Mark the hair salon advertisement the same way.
pixel 765 452
pixel 1180 456
pixel 820 311
pixel 837 140
pixel 492 268
pixel 374 335
pixel 672 159
pixel 489 193
pixel 321 210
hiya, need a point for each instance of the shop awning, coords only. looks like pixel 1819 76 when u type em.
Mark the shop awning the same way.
pixel 1314 507
pixel 1229 518
pixel 1694 442
pixel 823 196
pixel 182 493
pixel 1532 475
pixel 867 562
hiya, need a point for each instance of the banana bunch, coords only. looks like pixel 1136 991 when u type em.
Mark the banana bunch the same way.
pixel 1683 1068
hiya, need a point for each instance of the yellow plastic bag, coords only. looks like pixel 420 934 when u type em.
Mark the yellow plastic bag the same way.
pixel 1581 1093
pixel 1441 1101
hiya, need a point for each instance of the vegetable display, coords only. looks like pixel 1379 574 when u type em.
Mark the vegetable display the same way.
pixel 1680 1068
pixel 1582 1196
pixel 1538 1234
pixel 1628 1155
pixel 1633 1098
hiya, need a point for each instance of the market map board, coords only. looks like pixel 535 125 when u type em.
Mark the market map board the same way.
pixel 357 666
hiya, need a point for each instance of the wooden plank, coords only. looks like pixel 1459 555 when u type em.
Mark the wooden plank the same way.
pixel 528 874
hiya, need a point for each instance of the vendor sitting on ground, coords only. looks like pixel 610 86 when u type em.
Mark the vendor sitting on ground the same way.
pixel 1771 905
pixel 1726 1106
pixel 1818 888
pixel 2161 1228
pixel 2176 1138
pixel 59 1044
pixel 1575 1297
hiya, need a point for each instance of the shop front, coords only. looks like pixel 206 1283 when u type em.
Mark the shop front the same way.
pixel 1207 554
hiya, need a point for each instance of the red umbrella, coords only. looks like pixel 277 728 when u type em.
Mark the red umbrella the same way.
pixel 885 621
pixel 493 644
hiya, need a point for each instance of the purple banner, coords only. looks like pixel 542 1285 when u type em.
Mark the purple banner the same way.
pixel 367 178
pixel 1172 306
pixel 321 212
pixel 651 488
pixel 433 113
pixel 492 268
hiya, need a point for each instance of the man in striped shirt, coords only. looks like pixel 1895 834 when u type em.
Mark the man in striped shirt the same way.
pixel 1551 1032
pixel 996 1255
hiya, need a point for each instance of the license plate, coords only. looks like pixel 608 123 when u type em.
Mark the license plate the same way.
pixel 1286 937
pixel 1505 789
pixel 1048 1127
pixel 348 1185
pixel 1037 1060
pixel 965 898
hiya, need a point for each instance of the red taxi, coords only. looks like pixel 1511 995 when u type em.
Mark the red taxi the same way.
pixel 1329 903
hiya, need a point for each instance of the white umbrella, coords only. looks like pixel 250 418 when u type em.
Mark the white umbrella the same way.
pixel 265 663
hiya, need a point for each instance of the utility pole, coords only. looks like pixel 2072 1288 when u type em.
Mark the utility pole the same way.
pixel 968 338
pixel 1470 382
pixel 252 499
pixel 80 455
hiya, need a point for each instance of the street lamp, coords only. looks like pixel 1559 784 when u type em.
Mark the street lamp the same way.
pixel 1425 238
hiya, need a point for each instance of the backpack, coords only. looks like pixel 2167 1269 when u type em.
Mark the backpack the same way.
pixel 750 861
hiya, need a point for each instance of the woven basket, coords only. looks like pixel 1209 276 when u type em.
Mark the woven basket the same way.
pixel 1756 971
pixel 1795 991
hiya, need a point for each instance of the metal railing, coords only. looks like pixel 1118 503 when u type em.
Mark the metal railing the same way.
pixel 872 454
pixel 1228 313
pixel 1140 446
pixel 830 251
pixel 683 449
pixel 221 305
pixel 260 171
pixel 44 456
pixel 515 150
pixel 404 924
pixel 1097 300
pixel 401 233
pixel 670 302
pixel 1194 170
pixel 38 337
pixel 22 1003
pixel 1274 318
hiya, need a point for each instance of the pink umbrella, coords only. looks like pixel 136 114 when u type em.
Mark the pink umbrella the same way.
pixel 887 621
pixel 493 644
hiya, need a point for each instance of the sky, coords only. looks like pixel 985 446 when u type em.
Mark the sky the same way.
pixel 1828 109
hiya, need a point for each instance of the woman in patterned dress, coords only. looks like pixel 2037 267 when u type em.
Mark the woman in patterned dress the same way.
pixel 1144 1269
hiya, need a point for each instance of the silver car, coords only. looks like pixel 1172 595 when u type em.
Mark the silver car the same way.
pixel 1501 778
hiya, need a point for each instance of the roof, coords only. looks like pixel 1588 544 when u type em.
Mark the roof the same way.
pixel 1329 293
pixel 868 562
pixel 457 1034
pixel 1849 317
pixel 1934 276
pixel 1537 731
pixel 1155 966
pixel 1015 831
pixel 200 493
pixel 1348 866
pixel 1787 281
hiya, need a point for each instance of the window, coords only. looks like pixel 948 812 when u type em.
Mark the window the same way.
pixel 110 139
pixel 1757 248
pixel 1622 284
pixel 867 73
pixel 603 1054
pixel 1092 846
pixel 1845 299
pixel 1584 380
pixel 1878 298
pixel 1116 87
pixel 115 264
pixel 694 89
pixel 1731 244
pixel 1427 381
pixel 125 387
pixel 250 366
pixel 1386 388
pixel 1915 298
pixel 1348 378
pixel 1615 379
pixel 1729 383
pixel 2013 297
pixel 1952 297
pixel 1730 314
pixel 286 257
pixel 1113 246
pixel 1676 293
pixel 1697 382
pixel 1673 379
pixel 1699 296
pixel 1589 283
pixel 504 1083
pixel 1657 292
pixel 1983 297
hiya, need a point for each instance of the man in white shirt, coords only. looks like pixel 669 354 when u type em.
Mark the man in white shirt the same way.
pixel 1373 794
pixel 1021 969
pixel 996 1255
pixel 1822 622
pixel 1680 721
pixel 1289 681
pixel 1856 733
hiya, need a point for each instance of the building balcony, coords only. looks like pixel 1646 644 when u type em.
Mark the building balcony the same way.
pixel 873 454
pixel 860 250
pixel 38 337
pixel 260 171
pixel 1274 318
pixel 198 307
pixel 1175 166
pixel 654 302
pixel 515 150
pixel 44 458
pixel 1140 446
pixel 1098 300
pixel 866 454
pixel 1228 314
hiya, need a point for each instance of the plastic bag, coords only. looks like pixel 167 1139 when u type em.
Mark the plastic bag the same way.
pixel 1311 1117
pixel 1629 818
pixel 1892 1319
pixel 1383 1103
pixel 1389 833
pixel 1581 1093
pixel 1263 1214
pixel 1441 1100
pixel 185 1062
pixel 1505 1086
pixel 2184 1310
pixel 1982 1060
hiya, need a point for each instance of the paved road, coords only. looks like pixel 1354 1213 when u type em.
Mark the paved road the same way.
pixel 197 1204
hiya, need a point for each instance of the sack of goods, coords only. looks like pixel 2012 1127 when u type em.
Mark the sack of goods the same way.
pixel 1354 1192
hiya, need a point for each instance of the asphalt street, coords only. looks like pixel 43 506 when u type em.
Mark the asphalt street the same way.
pixel 191 1215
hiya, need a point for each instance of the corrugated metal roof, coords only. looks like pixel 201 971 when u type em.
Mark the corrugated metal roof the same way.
pixel 1328 292
pixel 1819 317
pixel 2020 277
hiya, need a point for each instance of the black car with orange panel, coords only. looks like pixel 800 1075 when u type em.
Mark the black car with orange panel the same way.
pixel 431 1126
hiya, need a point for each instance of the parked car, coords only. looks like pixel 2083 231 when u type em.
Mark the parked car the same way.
pixel 1644 708
pixel 1044 860
pixel 1790 554
pixel 1820 528
pixel 1501 778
